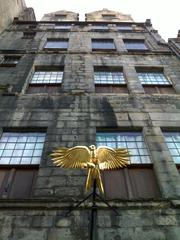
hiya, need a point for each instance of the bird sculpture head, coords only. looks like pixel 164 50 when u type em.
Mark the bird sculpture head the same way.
pixel 92 147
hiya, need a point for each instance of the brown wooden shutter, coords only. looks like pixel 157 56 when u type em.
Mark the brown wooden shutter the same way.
pixel 17 182
pixel 150 89
pixel 22 185
pixel 4 173
pixel 43 88
pixel 130 183
pixel 106 88
pixel 114 184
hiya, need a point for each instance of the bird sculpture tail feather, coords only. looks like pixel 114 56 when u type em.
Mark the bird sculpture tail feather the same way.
pixel 94 175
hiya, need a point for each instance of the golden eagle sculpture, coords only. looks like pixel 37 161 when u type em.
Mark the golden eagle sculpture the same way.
pixel 92 158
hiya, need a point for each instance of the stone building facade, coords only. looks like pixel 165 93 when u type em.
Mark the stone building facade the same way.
pixel 11 9
pixel 174 44
pixel 111 82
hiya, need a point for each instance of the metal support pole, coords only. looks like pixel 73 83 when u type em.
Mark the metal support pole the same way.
pixel 93 226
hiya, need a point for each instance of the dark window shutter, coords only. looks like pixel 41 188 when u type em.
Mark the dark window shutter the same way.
pixel 44 88
pixel 130 183
pixel 22 184
pixel 4 173
pixel 143 183
pixel 114 184
pixel 103 88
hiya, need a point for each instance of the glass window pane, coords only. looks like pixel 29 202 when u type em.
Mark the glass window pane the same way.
pixel 109 77
pixel 103 44
pixel 7 153
pixel 21 148
pixel 172 140
pixel 153 78
pixel 135 44
pixel 4 160
pixel 25 160
pixel 133 141
pixel 15 160
pixel 48 77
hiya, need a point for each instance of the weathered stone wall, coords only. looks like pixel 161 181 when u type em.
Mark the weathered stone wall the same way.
pixel 71 118
pixel 136 221
pixel 8 10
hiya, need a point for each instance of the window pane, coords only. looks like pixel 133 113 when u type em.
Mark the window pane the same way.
pixel 100 27
pixel 103 44
pixel 57 44
pixel 124 27
pixel 47 77
pixel 131 140
pixel 172 140
pixel 153 78
pixel 21 148
pixel 103 77
pixel 135 45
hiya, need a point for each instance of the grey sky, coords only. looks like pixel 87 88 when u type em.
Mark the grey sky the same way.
pixel 164 14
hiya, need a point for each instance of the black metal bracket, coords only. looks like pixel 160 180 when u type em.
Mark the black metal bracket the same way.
pixel 94 209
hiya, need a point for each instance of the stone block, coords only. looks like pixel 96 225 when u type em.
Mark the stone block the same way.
pixel 28 234
pixel 42 221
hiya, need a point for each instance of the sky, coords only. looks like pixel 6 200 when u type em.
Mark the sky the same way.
pixel 164 14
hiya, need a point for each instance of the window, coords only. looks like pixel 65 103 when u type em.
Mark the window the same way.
pixel 29 35
pixel 20 155
pixel 124 27
pixel 59 17
pixel 62 26
pixel 132 140
pixel 10 61
pixel 108 16
pixel 133 44
pixel 21 148
pixel 138 179
pixel 153 78
pixel 47 77
pixel 109 81
pixel 103 44
pixel 172 140
pixel 100 27
pixel 56 44
pixel 46 81
pixel 154 81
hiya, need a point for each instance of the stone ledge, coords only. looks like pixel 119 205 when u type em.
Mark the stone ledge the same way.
pixel 50 204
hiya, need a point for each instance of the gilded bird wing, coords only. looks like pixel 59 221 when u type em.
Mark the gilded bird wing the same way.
pixel 110 158
pixel 76 157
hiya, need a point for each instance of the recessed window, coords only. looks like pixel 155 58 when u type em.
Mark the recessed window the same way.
pixel 153 78
pixel 21 148
pixel 29 35
pixel 59 17
pixel 108 16
pixel 132 44
pixel 109 80
pixel 20 156
pixel 109 77
pixel 46 80
pixel 47 77
pixel 99 27
pixel 154 81
pixel 136 181
pixel 56 44
pixel 62 26
pixel 172 140
pixel 124 27
pixel 10 61
pixel 103 44
pixel 134 141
